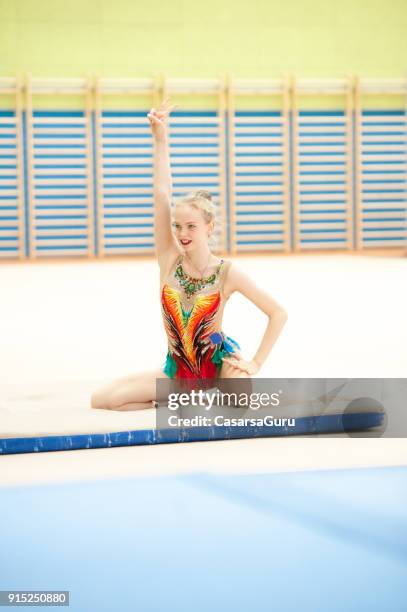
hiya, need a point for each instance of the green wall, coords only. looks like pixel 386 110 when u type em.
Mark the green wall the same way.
pixel 320 38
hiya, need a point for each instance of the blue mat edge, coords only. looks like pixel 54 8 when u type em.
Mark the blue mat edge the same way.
pixel 333 423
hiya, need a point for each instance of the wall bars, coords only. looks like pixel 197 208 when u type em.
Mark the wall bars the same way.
pixel 288 176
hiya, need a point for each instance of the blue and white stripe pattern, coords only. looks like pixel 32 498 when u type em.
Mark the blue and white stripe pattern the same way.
pixel 258 186
pixel 9 197
pixel 90 180
pixel 126 208
pixel 323 199
pixel 59 183
pixel 383 160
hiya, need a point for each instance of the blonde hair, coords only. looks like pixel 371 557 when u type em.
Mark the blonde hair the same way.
pixel 201 200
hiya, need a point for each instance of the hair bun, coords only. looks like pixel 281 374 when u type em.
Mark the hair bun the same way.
pixel 203 193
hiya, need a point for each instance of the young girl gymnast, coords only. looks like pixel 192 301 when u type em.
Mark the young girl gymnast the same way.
pixel 194 288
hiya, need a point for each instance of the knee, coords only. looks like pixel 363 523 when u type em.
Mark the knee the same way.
pixel 95 401
pixel 100 401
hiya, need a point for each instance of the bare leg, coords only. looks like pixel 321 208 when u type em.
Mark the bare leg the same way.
pixel 229 386
pixel 135 406
pixel 133 392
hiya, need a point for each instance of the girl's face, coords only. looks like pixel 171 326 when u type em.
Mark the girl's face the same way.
pixel 191 230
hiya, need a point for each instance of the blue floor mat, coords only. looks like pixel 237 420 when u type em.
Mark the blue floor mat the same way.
pixel 326 541
pixel 328 423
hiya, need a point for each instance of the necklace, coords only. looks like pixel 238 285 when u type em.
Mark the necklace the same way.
pixel 197 269
pixel 190 284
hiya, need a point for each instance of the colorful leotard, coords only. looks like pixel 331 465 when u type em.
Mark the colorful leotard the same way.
pixel 192 321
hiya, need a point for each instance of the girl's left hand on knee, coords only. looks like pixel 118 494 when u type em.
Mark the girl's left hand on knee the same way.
pixel 249 367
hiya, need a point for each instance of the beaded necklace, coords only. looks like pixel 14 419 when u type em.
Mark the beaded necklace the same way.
pixel 190 284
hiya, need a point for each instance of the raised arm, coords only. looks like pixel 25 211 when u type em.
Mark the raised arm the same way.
pixel 165 242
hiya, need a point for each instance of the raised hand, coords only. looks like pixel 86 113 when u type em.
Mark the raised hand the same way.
pixel 159 120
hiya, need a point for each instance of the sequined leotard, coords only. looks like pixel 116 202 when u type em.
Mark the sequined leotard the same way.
pixel 192 321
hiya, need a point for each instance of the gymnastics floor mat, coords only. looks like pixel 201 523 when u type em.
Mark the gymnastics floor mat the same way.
pixel 58 422
pixel 329 540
